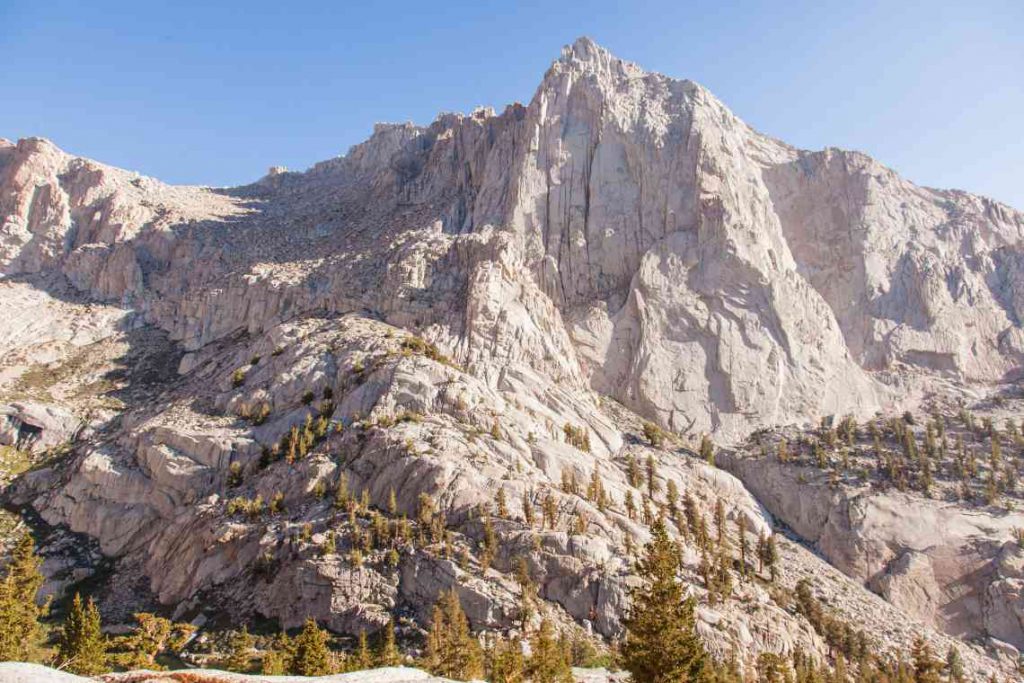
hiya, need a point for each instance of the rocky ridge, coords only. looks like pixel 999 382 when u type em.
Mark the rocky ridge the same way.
pixel 483 304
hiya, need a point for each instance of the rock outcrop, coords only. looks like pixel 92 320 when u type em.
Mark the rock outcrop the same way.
pixel 625 230
pixel 947 556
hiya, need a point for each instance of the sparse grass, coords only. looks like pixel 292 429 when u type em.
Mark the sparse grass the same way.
pixel 13 462
pixel 418 345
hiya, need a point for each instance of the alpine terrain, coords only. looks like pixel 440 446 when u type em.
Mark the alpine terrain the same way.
pixel 494 355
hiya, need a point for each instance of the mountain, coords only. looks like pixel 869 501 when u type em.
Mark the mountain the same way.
pixel 464 325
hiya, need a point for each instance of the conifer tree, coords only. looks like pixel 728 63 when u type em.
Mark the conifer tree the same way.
pixel 82 649
pixel 275 659
pixel 550 511
pixel 707 450
pixel 452 652
pixel 364 660
pixel 741 532
pixel 654 434
pixel 506 663
pixel 954 666
pixel 661 643
pixel 672 498
pixel 633 474
pixel 839 674
pixel 771 668
pixel 239 657
pixel 527 509
pixel 926 666
pixel 652 473
pixel 21 634
pixel 720 538
pixel 310 654
pixel 501 504
pixel 771 557
pixel 547 663
pixel 490 544
pixel 387 654
pixel 152 636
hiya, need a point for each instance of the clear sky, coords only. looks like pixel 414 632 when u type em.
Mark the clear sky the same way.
pixel 216 92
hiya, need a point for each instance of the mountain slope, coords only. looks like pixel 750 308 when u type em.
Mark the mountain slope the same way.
pixel 464 305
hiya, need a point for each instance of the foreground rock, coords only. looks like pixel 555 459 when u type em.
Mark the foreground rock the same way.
pixel 33 673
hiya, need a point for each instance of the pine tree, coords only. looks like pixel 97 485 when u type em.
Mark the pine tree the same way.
pixel 239 657
pixel 771 668
pixel 452 652
pixel 707 450
pixel 310 654
pixel 387 654
pixel 550 511
pixel 954 666
pixel 527 509
pixel 82 649
pixel 21 634
pixel 490 544
pixel 741 532
pixel 661 643
pixel 652 473
pixel 364 660
pixel 275 659
pixel 720 538
pixel 926 667
pixel 771 557
pixel 654 434
pixel 672 498
pixel 506 663
pixel 547 661
pixel 839 674
pixel 152 636
pixel 633 474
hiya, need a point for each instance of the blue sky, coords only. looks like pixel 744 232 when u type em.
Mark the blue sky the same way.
pixel 195 93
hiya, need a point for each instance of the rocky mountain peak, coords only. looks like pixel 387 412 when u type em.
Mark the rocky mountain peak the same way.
pixel 489 308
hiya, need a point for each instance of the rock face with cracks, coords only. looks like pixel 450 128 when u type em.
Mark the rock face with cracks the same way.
pixel 483 304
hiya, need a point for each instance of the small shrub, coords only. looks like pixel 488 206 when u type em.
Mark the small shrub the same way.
pixel 577 436
pixel 256 415
pixel 261 414
pixel 423 347
pixel 307 398
pixel 238 378
pixel 235 474
pixel 654 434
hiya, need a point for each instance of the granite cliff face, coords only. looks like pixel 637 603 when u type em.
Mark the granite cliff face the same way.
pixel 462 304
